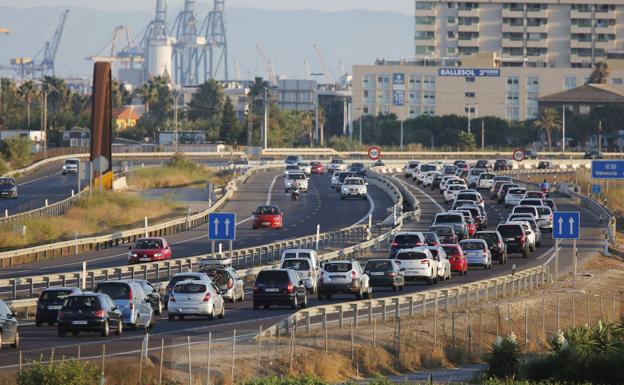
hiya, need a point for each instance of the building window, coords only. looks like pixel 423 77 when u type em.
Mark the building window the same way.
pixel 451 50
pixel 617 81
pixel 424 5
pixel 513 113
pixel 451 34
pixel 468 35
pixel 424 49
pixel 467 20
pixel 532 112
pixel 584 109
pixel 467 51
pixel 451 19
pixel 469 79
pixel 425 20
pixel 469 94
pixel 569 82
pixel 424 35
pixel 532 84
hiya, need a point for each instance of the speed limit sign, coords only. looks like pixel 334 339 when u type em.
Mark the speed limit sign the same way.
pixel 519 155
pixel 374 153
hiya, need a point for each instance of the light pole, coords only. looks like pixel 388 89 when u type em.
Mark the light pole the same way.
pixel 563 128
pixel 401 135
pixel 176 97
pixel 48 89
pixel 317 128
pixel 266 119
pixel 470 107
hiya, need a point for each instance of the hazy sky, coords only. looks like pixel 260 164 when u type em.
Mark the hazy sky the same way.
pixel 403 6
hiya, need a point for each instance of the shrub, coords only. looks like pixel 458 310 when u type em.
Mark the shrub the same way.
pixel 178 160
pixel 503 360
pixel 65 372
pixel 4 167
pixel 16 150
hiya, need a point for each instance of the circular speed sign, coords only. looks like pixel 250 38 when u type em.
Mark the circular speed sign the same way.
pixel 519 155
pixel 374 153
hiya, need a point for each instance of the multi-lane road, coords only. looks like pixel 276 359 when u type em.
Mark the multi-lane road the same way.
pixel 320 206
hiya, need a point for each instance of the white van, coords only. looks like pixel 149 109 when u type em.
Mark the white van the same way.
pixel 306 271
pixel 300 253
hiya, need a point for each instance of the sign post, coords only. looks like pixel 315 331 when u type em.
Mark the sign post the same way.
pixel 566 225
pixel 222 227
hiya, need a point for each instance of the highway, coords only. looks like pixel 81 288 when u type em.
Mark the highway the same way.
pixel 240 316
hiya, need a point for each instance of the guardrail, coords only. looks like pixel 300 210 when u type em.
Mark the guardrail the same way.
pixel 54 209
pixel 37 253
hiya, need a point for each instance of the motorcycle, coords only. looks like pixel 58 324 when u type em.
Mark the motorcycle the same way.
pixel 295 194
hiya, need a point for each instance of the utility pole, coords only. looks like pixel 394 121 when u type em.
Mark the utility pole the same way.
pixel 175 120
pixel 45 124
pixel 469 111
pixel 250 121
pixel 482 134
pixel 401 135
pixel 316 117
pixel 600 136
pixel 563 125
pixel 266 119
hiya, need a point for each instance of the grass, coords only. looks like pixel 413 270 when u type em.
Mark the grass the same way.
pixel 100 214
pixel 178 172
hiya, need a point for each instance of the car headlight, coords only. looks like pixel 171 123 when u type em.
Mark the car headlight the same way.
pixel 158 255
pixel 345 189
pixel 132 254
pixel 289 182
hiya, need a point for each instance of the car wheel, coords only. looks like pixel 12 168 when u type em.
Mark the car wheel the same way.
pixel 38 324
pixel 181 317
pixel 295 303
pixel 304 304
pixel 222 314
pixel 232 300
pixel 501 260
pixel 395 288
pixel 532 248
pixel 242 297
pixel 321 296
pixel 16 341
pixel 171 317
pixel 159 309
pixel 342 197
pixel 59 332
pixel 402 287
pixel 256 305
pixel 211 315
pixel 430 281
pixel 525 253
pixel 485 267
pixel 119 328
pixel 368 294
pixel 105 330
pixel 436 280
pixel 360 294
pixel 135 324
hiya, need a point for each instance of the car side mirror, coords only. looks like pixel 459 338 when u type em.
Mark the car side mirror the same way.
pixel 114 307
pixel 301 282
pixel 402 269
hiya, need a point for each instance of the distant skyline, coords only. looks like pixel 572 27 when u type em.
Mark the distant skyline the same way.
pixel 402 6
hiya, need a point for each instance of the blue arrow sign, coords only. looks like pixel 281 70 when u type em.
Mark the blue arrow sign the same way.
pixel 222 226
pixel 596 189
pixel 566 225
pixel 608 169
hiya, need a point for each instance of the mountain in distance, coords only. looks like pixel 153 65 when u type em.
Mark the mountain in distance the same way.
pixel 287 37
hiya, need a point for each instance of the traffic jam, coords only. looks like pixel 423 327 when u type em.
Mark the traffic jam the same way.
pixel 458 239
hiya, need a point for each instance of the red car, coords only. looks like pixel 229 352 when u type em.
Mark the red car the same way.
pixel 149 250
pixel 267 216
pixel 457 258
pixel 317 168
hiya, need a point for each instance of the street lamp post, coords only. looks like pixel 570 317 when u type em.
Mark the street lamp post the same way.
pixel 401 135
pixel 266 119
pixel 46 91
pixel 317 126
pixel 176 96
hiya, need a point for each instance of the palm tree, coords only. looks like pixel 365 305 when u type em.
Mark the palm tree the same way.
pixel 549 122
pixel 600 74
pixel 149 94
pixel 28 91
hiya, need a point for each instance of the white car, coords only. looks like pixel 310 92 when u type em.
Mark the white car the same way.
pixel 291 168
pixel 334 179
pixel 71 166
pixel 418 264
pixel 451 192
pixel 337 165
pixel 528 231
pixel 514 196
pixel 423 170
pixel 305 167
pixel 195 298
pixel 297 181
pixel 409 168
pixel 444 265
pixel 545 219
pixel 530 210
pixel 445 179
pixel 428 178
pixel 353 188
pixel 343 277
pixel 473 176
pixel 486 181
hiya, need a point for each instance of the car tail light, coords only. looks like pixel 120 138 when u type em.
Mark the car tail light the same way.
pixel 353 275
pixel 394 244
pixel 392 275
pixel 425 262
pixel 290 287
pixel 419 244
pixel 230 283
pixel 171 298
pixel 499 244
pixel 61 314
pixel 484 253
pixel 522 239
pixel 551 217
pixel 256 289
pixel 207 297
pixel 100 313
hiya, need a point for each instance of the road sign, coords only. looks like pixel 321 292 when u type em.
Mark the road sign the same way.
pixel 566 225
pixel 608 169
pixel 596 189
pixel 519 155
pixel 100 164
pixel 374 153
pixel 222 226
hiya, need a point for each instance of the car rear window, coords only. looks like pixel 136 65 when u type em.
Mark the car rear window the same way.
pixel 378 266
pixel 517 191
pixel 451 250
pixel 82 302
pixel 490 238
pixel 146 244
pixel 530 210
pixel 468 196
pixel 69 161
pixel 407 239
pixel 54 295
pixel 442 230
pixel 115 290
pixel 471 245
pixel 267 210
pixel 448 218
pixel 510 230
pixel 189 288
pixel 487 176
pixel 296 264
pixel 180 278
pixel 272 276
pixel 544 210
pixel 411 255
pixel 427 167
pixel 296 176
pixel 476 172
pixel 431 237
pixel 337 267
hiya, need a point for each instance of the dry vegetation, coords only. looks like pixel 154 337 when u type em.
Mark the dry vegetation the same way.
pixel 102 213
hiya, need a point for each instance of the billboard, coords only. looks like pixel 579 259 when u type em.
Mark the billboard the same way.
pixel 398 89
pixel 475 72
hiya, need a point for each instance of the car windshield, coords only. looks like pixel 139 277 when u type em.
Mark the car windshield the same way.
pixel 403 239
pixel 116 290
pixel 7 182
pixel 337 267
pixel 427 167
pixel 272 277
pixel 448 219
pixel 267 210
pixel 411 255
pixel 354 182
pixel 71 162
pixel 345 175
pixel 82 302
pixel 145 244
pixel 544 210
pixel 296 264
pixel 442 230
pixel 180 278
pixel 431 237
pixel 378 266
pixel 296 176
pixel 54 295
pixel 337 161
pixel 517 191
pixel 510 230
pixel 490 238
pixel 189 288
pixel 292 158
pixel 471 245
pixel 451 250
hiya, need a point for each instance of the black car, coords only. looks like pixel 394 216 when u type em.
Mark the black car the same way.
pixel 9 326
pixel 89 312
pixel 495 244
pixel 406 240
pixel 50 302
pixel 8 188
pixel 432 239
pixel 530 154
pixel 152 294
pixel 358 168
pixel 545 165
pixel 514 238
pixel 592 154
pixel 483 164
pixel 281 287
pixel 384 273
pixel 445 233
pixel 436 182
pixel 502 164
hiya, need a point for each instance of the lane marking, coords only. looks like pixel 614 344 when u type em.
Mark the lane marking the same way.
pixel 439 206
pixel 370 211
pixel 270 192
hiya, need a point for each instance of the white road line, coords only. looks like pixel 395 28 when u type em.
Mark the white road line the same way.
pixel 422 192
pixel 42 177
pixel 268 200
pixel 370 211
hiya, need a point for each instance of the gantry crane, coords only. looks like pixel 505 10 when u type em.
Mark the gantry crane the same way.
pixel 327 71
pixel 268 65
pixel 120 49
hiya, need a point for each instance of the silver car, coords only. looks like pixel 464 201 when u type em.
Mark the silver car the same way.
pixel 131 300
pixel 477 252
pixel 195 298
pixel 306 272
